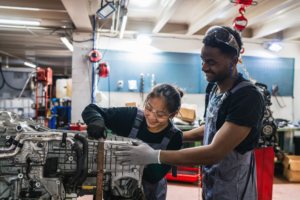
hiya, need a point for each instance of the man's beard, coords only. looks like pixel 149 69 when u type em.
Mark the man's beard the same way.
pixel 215 80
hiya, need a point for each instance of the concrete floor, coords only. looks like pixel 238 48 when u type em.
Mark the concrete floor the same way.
pixel 282 190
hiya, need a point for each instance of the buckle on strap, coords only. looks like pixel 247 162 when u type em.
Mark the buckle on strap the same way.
pixel 174 171
pixel 171 132
pixel 137 123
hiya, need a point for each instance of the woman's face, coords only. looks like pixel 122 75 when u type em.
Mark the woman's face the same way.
pixel 156 113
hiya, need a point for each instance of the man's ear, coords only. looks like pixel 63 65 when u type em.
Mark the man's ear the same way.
pixel 235 61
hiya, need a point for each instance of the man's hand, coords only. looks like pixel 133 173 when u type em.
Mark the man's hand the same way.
pixel 97 129
pixel 195 135
pixel 141 154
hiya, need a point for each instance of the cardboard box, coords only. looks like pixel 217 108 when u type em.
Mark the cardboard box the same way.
pixel 188 115
pixel 130 104
pixel 292 168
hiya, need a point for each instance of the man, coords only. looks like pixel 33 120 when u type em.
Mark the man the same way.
pixel 234 116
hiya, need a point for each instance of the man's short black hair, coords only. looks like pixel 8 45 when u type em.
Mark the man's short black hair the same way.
pixel 211 41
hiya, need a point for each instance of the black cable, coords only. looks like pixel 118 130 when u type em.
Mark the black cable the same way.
pixel 4 81
pixel 77 40
pixel 84 160
pixel 79 163
pixel 101 3
pixel 2 76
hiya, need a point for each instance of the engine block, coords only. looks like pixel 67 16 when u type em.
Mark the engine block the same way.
pixel 43 164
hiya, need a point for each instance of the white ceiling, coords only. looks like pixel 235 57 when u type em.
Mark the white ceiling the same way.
pixel 271 19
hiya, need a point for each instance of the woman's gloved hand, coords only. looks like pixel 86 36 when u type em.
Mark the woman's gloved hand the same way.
pixel 140 154
pixel 97 129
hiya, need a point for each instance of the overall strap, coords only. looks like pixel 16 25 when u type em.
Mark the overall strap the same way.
pixel 172 131
pixel 233 90
pixel 137 123
pixel 241 85
pixel 166 140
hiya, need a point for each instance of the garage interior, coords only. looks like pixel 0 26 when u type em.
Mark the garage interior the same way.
pixel 114 57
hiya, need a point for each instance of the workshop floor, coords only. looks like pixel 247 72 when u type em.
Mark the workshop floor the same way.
pixel 282 189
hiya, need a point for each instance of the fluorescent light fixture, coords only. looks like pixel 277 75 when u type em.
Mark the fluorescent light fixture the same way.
pixel 19 8
pixel 20 22
pixel 67 43
pixel 29 64
pixel 30 27
pixel 275 47
pixel 143 3
pixel 124 22
pixel 145 39
pixel 106 10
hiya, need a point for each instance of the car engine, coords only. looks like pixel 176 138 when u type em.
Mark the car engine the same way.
pixel 38 163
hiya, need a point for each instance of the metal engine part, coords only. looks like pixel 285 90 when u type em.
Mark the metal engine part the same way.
pixel 38 163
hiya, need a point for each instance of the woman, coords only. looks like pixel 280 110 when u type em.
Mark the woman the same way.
pixel 152 125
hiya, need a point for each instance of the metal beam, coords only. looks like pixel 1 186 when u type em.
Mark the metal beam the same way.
pixel 167 13
pixel 291 33
pixel 268 9
pixel 79 14
pixel 215 9
pixel 53 4
pixel 278 24
pixel 13 56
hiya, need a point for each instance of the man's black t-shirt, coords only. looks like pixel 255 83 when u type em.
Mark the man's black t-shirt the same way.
pixel 245 108
pixel 120 120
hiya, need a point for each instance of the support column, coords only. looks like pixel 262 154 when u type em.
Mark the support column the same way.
pixel 81 75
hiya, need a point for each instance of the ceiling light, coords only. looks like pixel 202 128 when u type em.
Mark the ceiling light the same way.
pixel 30 27
pixel 106 10
pixel 144 3
pixel 29 64
pixel 67 43
pixel 20 22
pixel 275 47
pixel 145 39
pixel 124 21
pixel 19 8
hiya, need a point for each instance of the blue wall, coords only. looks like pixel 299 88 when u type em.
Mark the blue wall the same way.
pixel 184 70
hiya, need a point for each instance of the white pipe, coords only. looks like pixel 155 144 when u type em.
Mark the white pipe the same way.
pixel 35 134
pixel 26 83
pixel 124 22
pixel 118 17
pixel 5 155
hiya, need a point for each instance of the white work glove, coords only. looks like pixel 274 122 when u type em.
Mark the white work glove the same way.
pixel 140 154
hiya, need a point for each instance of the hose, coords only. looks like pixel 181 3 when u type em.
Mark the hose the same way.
pixel 4 81
pixel 79 165
pixel 84 160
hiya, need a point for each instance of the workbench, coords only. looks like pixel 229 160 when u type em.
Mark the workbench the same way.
pixel 285 138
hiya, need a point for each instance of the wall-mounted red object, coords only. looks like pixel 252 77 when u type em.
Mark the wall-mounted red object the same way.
pixel 103 70
pixel 95 56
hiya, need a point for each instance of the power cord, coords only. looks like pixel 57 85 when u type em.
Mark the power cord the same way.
pixel 48 34
pixel 4 81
